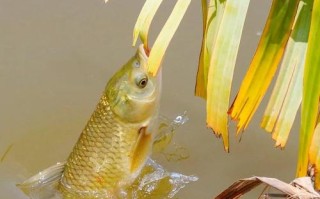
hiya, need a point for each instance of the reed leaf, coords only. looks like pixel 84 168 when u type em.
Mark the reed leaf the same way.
pixel 165 35
pixel 222 63
pixel 311 91
pixel 142 26
pixel 287 93
pixel 201 87
pixel 314 155
pixel 212 15
pixel 265 61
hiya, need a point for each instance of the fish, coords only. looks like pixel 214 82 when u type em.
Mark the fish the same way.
pixel 117 140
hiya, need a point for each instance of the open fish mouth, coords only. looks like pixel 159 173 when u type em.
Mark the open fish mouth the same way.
pixel 142 54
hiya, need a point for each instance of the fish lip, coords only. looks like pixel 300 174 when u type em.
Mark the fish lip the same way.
pixel 142 53
pixel 144 60
pixel 143 57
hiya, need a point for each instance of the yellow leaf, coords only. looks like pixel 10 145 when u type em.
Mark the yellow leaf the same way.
pixel 265 61
pixel 212 15
pixel 287 93
pixel 165 36
pixel 200 89
pixel 141 28
pixel 222 63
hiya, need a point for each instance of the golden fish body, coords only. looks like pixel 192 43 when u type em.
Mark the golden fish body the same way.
pixel 117 140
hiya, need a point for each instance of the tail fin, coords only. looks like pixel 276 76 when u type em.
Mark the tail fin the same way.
pixel 44 184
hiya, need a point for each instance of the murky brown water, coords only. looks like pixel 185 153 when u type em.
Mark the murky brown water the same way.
pixel 55 59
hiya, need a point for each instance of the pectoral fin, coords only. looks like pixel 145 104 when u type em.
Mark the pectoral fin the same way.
pixel 141 150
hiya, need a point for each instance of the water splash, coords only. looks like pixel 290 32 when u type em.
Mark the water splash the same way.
pixel 167 130
pixel 153 182
pixel 156 182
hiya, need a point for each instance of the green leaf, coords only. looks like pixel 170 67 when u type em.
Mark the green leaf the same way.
pixel 265 61
pixel 311 91
pixel 287 93
pixel 314 155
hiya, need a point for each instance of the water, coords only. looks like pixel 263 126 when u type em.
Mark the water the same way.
pixel 153 182
pixel 55 59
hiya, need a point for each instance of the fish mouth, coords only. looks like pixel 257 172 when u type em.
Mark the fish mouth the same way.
pixel 142 52
pixel 143 57
pixel 157 79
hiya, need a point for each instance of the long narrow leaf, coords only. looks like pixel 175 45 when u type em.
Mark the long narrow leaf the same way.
pixel 141 28
pixel 212 16
pixel 223 60
pixel 201 87
pixel 314 155
pixel 311 91
pixel 165 36
pixel 287 93
pixel 265 61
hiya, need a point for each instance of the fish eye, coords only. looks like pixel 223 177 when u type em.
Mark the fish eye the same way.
pixel 142 82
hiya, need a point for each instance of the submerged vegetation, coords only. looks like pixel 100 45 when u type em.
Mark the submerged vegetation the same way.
pixel 289 42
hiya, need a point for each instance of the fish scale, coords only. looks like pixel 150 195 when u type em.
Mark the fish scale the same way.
pixel 97 160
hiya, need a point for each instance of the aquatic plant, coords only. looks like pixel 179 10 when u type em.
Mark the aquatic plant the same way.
pixel 289 41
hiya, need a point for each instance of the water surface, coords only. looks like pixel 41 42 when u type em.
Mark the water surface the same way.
pixel 55 59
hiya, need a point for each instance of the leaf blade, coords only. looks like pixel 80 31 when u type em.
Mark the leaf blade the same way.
pixel 165 36
pixel 141 28
pixel 311 91
pixel 200 87
pixel 314 155
pixel 287 93
pixel 212 15
pixel 265 62
pixel 223 60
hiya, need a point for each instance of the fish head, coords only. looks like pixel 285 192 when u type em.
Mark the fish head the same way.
pixel 133 93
